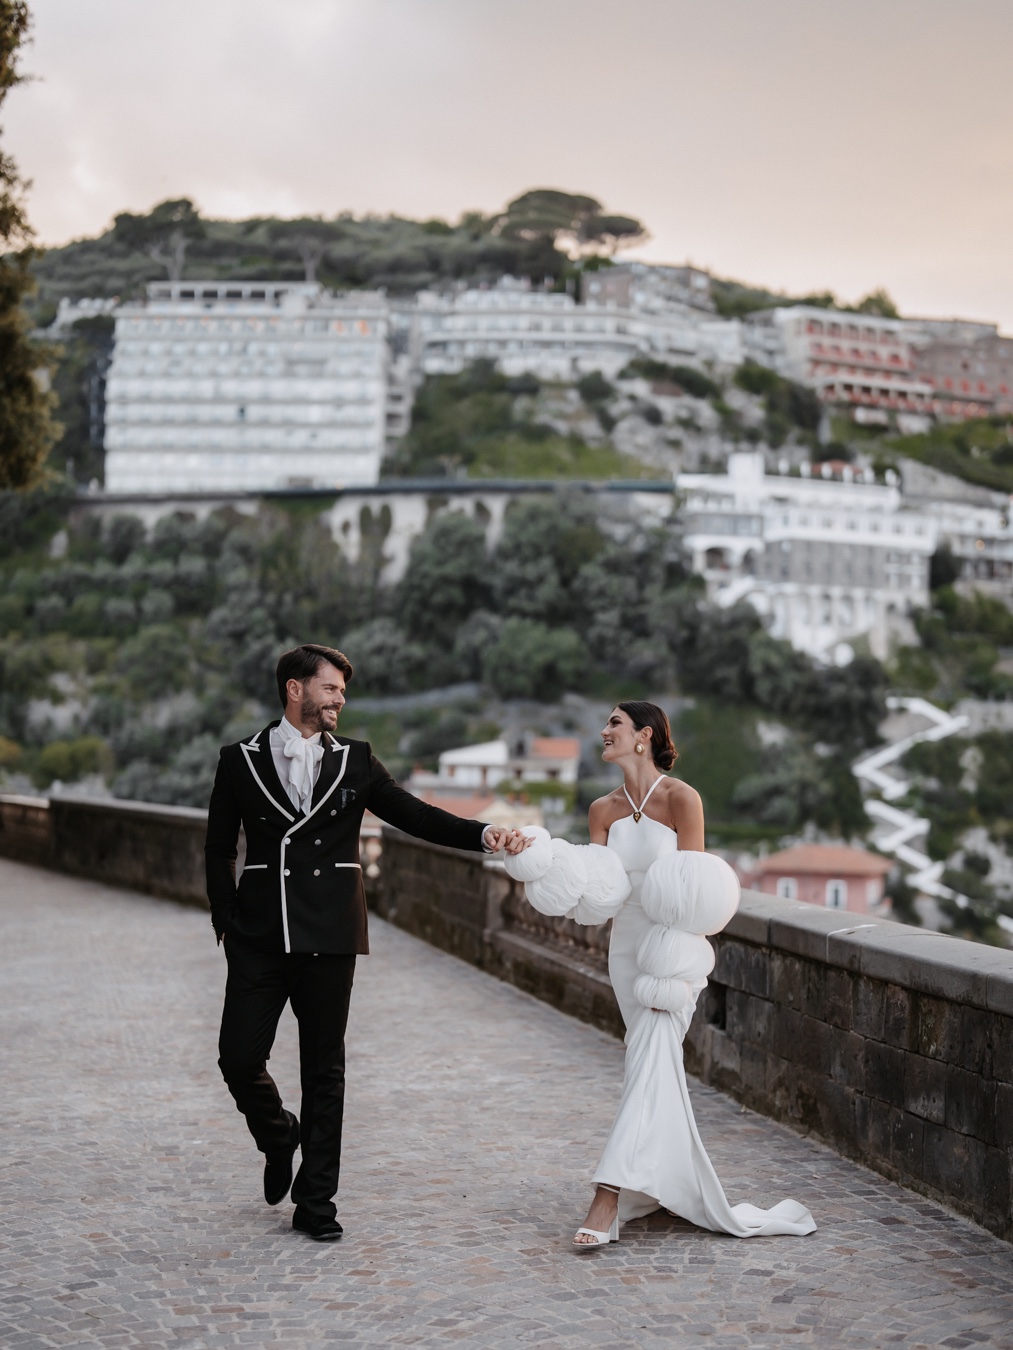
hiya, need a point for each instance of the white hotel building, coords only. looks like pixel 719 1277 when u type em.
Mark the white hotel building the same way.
pixel 246 387
pixel 551 336
pixel 830 562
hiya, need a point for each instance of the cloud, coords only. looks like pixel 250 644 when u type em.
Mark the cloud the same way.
pixel 794 143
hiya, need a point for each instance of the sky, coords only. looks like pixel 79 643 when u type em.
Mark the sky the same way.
pixel 798 144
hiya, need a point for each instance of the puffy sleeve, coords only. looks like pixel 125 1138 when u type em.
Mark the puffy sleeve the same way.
pixel 688 895
pixel 584 882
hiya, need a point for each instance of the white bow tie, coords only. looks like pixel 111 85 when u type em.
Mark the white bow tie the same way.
pixel 303 756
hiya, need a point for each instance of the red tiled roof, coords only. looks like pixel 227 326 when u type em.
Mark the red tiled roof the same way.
pixel 470 807
pixel 555 747
pixel 825 859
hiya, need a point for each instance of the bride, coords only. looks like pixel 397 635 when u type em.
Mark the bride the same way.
pixel 647 870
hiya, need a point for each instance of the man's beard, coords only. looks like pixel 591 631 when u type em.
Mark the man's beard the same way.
pixel 313 713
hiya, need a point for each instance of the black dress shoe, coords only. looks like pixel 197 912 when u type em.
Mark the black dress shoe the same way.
pixel 320 1230
pixel 278 1170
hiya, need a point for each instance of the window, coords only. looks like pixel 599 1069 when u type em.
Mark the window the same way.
pixel 837 894
pixel 787 888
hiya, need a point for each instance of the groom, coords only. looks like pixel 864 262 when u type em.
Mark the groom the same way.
pixel 295 923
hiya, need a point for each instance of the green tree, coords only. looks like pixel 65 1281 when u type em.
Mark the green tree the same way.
pixel 690 380
pixel 594 388
pixel 384 658
pixel 27 429
pixel 308 238
pixel 531 660
pixel 165 235
pixel 544 544
pixel 711 646
pixel 69 760
pixel 944 568
pixel 780 675
pixel 789 406
pixel 878 303
pixel 550 217
pixel 844 705
pixel 79 386
pixel 995 777
pixel 445 579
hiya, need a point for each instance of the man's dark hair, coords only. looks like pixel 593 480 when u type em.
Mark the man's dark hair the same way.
pixel 302 663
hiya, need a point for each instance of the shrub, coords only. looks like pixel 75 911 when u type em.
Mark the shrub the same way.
pixel 12 613
pixel 692 381
pixel 594 388
pixel 70 760
pixel 157 606
pixel 123 535
pixel 523 384
pixel 944 569
pixel 120 614
pixel 155 661
pixel 50 613
pixel 10 753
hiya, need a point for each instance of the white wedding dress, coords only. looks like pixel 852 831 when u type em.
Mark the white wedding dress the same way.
pixel 662 903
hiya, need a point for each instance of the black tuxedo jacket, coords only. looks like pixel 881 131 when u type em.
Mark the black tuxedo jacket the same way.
pixel 301 887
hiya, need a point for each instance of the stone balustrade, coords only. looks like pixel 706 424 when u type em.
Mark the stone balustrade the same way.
pixel 892 1044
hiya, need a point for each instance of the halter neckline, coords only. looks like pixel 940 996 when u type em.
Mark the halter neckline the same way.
pixel 638 811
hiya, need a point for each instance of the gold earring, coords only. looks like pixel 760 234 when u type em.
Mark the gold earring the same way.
pixel 639 747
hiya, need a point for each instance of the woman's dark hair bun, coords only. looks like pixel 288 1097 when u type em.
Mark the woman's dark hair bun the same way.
pixel 643 714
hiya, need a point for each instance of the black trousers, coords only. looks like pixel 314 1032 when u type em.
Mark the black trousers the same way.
pixel 319 988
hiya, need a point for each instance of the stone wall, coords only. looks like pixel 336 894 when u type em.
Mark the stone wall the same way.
pixel 466 904
pixel 156 849
pixel 893 1044
pixel 26 830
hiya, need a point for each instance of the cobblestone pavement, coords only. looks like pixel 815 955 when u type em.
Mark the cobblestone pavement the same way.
pixel 131 1213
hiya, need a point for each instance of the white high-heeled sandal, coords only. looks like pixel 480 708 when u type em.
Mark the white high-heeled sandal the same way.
pixel 601 1239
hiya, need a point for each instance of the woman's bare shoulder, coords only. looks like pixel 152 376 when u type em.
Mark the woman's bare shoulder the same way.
pixel 678 792
pixel 607 808
pixel 602 815
pixel 682 803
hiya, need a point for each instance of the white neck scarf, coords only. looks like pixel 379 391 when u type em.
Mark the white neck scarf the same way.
pixel 303 754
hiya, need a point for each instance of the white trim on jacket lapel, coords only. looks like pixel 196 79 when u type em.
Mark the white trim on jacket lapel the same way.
pixel 246 747
pixel 335 746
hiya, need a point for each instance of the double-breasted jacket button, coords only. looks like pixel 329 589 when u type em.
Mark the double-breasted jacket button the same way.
pixel 316 841
pixel 287 872
pixel 333 811
pixel 316 871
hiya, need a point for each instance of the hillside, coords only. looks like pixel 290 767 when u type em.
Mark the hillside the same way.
pixel 543 233
pixel 586 431
pixel 133 656
pixel 978 451
pixel 400 255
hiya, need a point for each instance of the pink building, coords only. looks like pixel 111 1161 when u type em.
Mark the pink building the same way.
pixel 831 875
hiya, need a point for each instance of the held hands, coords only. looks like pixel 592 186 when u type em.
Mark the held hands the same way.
pixel 498 838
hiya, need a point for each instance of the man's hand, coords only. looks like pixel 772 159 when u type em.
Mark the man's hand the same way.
pixel 498 838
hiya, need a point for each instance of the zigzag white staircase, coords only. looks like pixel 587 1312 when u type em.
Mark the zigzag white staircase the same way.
pixel 925 874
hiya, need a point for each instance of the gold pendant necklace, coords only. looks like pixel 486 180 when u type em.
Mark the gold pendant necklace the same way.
pixel 638 811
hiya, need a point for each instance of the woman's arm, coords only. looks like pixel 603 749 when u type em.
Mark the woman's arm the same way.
pixel 687 817
pixel 598 821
